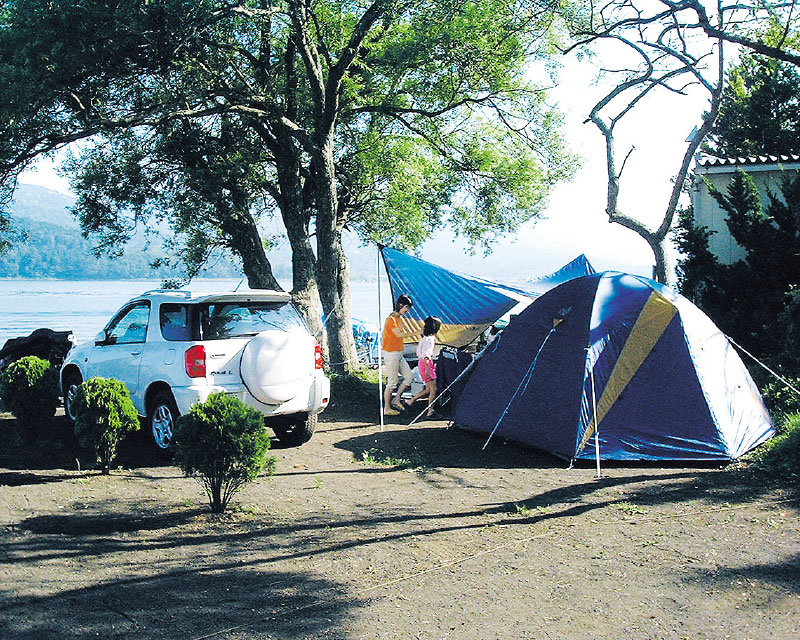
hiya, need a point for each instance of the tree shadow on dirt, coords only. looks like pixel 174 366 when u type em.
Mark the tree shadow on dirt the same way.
pixel 56 447
pixel 784 574
pixel 185 602
pixel 451 448
pixel 106 519
pixel 22 479
pixel 427 448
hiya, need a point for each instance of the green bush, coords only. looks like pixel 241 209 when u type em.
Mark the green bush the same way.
pixel 223 443
pixel 358 387
pixel 780 456
pixel 29 388
pixel 780 400
pixel 104 413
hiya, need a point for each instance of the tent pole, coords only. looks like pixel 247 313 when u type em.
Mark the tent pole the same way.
pixel 380 339
pixel 596 426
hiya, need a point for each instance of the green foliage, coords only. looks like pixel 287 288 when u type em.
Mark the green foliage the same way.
pixel 382 459
pixel 750 300
pixel 699 268
pixel 436 105
pixel 104 414
pixel 29 388
pixel 780 400
pixel 223 443
pixel 760 110
pixel 755 300
pixel 357 387
pixel 780 456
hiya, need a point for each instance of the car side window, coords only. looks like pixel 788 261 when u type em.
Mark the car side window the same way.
pixel 130 326
pixel 174 321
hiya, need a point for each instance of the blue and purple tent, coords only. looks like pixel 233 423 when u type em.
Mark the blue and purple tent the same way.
pixel 622 357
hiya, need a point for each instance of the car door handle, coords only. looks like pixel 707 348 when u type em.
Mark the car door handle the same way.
pixel 136 353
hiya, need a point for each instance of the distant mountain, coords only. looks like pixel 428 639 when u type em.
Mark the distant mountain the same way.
pixel 32 202
pixel 56 249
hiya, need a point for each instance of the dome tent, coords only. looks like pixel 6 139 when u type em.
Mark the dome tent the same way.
pixel 656 375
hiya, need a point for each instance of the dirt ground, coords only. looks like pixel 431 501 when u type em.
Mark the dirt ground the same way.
pixel 413 532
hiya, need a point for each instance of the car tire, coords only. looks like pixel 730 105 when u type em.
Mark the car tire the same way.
pixel 162 411
pixel 72 380
pixel 296 432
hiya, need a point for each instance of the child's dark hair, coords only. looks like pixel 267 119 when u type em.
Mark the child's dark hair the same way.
pixel 403 301
pixel 431 326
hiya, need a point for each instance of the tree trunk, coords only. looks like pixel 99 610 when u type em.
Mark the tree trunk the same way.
pixel 305 292
pixel 245 241
pixel 296 221
pixel 333 273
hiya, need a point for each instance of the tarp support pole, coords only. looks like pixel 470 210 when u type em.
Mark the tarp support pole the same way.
pixel 380 340
pixel 596 426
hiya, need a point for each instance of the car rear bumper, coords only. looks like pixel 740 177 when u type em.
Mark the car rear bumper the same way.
pixel 314 401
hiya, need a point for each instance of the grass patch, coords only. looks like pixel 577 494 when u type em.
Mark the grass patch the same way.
pixel 358 386
pixel 379 458
pixel 630 509
pixel 780 456
pixel 356 393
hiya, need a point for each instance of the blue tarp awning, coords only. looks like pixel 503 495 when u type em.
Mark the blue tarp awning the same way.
pixel 466 305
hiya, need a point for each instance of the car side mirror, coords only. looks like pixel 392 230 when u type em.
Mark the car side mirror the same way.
pixel 101 338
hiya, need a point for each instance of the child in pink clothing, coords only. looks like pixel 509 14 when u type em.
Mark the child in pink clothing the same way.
pixel 427 369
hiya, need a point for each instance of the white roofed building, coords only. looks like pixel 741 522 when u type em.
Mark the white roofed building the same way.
pixel 766 171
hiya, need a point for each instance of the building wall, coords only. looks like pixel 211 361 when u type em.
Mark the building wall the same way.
pixel 709 214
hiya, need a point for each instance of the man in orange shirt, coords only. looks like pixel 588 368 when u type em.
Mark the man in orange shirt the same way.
pixel 396 364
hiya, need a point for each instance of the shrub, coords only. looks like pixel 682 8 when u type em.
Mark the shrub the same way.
pixel 780 456
pixel 359 387
pixel 781 400
pixel 223 443
pixel 29 387
pixel 104 413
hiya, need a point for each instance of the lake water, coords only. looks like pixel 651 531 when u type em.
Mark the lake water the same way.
pixel 84 306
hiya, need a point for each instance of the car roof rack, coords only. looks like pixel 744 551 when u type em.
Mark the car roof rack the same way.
pixel 176 292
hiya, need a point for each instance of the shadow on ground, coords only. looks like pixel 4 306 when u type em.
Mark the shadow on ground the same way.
pixel 783 574
pixel 56 447
pixel 438 446
pixel 183 603
pixel 106 519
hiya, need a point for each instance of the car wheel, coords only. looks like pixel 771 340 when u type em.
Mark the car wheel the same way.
pixel 161 415
pixel 72 381
pixel 296 432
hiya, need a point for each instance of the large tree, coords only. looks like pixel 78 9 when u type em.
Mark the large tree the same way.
pixel 334 92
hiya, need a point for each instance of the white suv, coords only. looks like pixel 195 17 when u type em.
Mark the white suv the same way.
pixel 174 348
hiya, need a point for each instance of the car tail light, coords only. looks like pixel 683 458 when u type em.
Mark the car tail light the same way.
pixel 317 356
pixel 196 361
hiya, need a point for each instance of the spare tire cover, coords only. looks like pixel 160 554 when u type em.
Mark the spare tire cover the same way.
pixel 276 365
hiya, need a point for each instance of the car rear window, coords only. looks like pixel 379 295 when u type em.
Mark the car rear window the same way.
pixel 236 319
pixel 175 322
